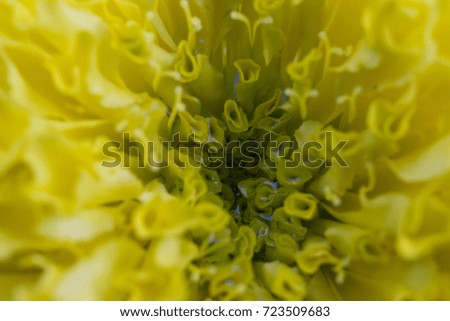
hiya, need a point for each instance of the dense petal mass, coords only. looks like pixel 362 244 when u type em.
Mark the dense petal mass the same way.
pixel 224 150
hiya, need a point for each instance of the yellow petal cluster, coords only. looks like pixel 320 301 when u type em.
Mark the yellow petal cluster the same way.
pixel 77 74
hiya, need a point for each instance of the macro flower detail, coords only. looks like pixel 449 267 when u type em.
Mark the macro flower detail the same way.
pixel 224 150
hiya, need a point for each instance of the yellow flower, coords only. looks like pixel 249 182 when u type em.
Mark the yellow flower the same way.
pixel 203 88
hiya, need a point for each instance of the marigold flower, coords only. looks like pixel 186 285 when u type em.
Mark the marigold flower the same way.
pixel 183 80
